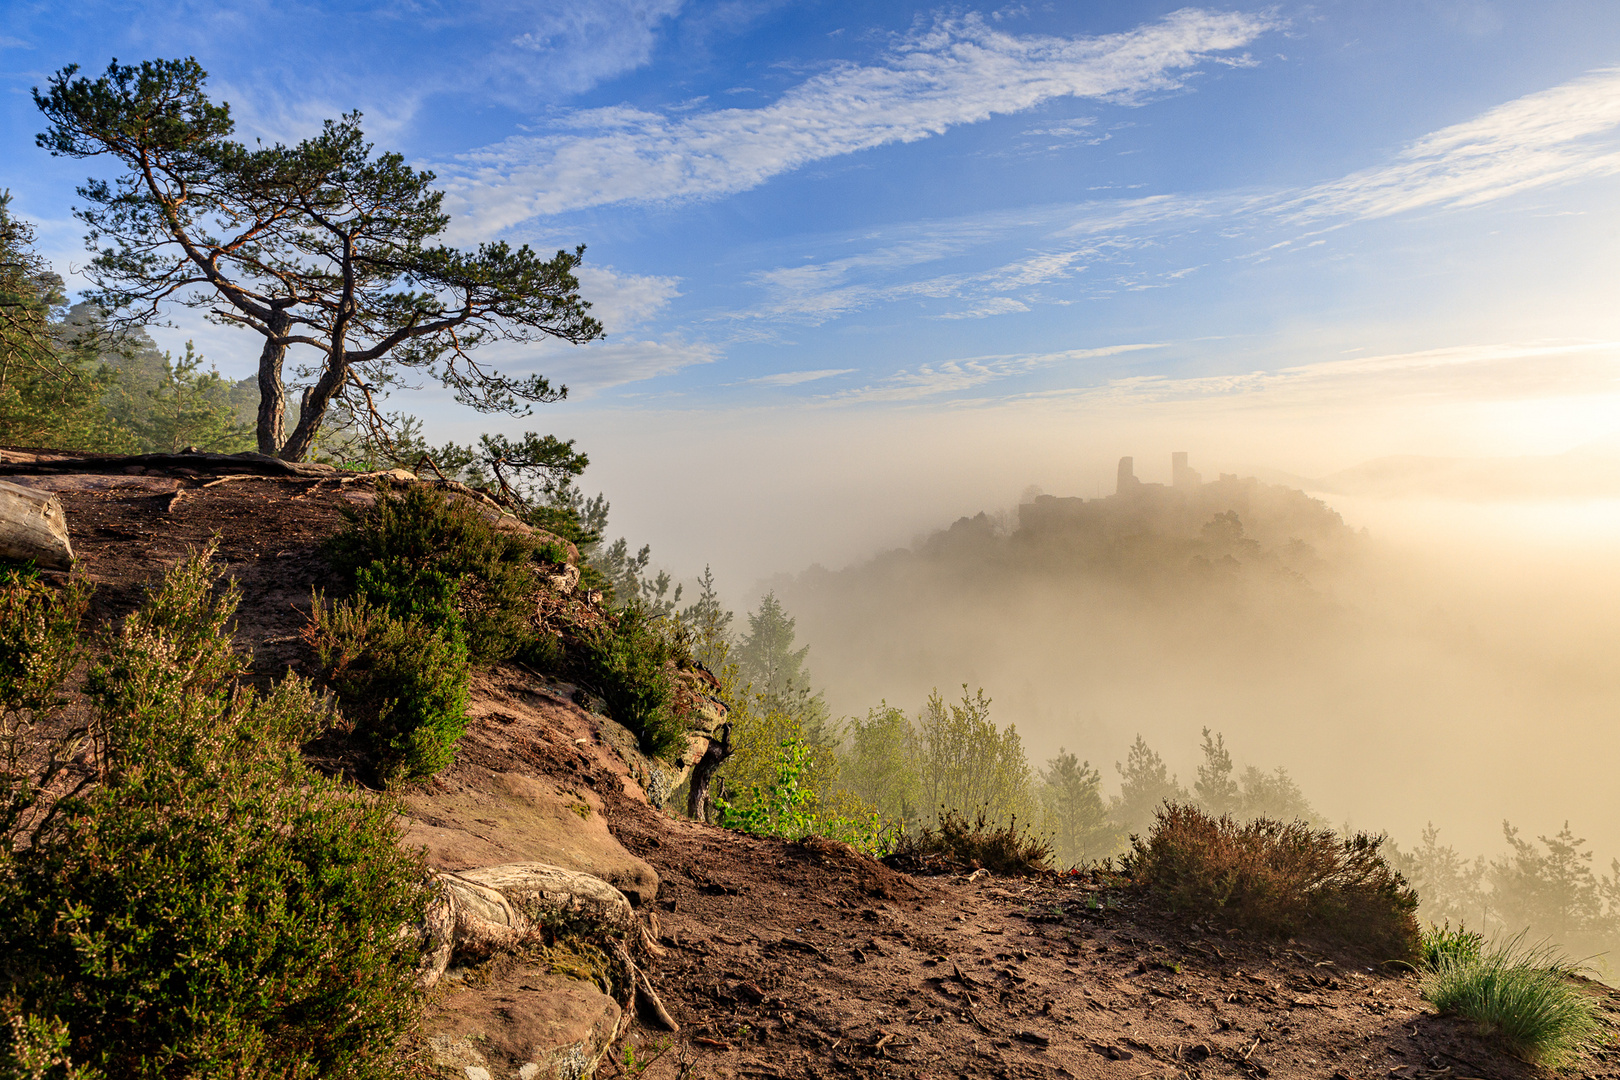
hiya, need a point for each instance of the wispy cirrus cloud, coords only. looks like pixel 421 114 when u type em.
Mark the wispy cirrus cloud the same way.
pixel 961 71
pixel 1490 371
pixel 1552 137
pixel 588 369
pixel 1568 133
pixel 798 378
pixel 958 376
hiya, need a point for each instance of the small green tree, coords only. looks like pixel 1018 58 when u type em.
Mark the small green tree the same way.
pixel 878 768
pixel 1217 792
pixel 1275 795
pixel 1075 814
pixel 1451 888
pixel 965 764
pixel 51 380
pixel 775 670
pixel 191 407
pixel 707 625
pixel 1145 784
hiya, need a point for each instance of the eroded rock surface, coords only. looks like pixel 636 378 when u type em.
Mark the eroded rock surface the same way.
pixel 472 817
pixel 527 1024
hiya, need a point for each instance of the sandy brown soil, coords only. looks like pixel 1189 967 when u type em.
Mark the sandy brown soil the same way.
pixel 806 960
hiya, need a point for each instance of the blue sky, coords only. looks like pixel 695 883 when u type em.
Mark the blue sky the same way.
pixel 887 262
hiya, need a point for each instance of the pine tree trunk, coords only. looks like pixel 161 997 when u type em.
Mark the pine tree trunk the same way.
pixel 272 393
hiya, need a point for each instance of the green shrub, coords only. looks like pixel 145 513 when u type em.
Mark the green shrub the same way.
pixel 1524 996
pixel 412 544
pixel 211 907
pixel 955 843
pixel 789 808
pixel 402 683
pixel 39 647
pixel 632 665
pixel 1443 945
pixel 1277 878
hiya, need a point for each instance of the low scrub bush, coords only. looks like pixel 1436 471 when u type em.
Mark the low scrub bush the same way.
pixel 208 906
pixel 401 681
pixel 631 663
pixel 1277 878
pixel 955 843
pixel 407 551
pixel 1525 996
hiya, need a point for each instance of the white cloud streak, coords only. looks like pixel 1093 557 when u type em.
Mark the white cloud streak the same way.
pixel 1551 137
pixel 957 376
pixel 1480 372
pixel 1557 136
pixel 588 369
pixel 961 71
pixel 797 378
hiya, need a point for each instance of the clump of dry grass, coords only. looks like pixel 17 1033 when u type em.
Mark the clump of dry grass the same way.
pixel 1277 878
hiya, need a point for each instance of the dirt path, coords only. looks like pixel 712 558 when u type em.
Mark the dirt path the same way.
pixel 800 960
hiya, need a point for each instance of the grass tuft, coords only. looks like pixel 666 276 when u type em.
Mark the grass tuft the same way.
pixel 1523 995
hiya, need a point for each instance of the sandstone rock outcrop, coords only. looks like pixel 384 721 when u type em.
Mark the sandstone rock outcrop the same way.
pixel 528 1024
pixel 475 818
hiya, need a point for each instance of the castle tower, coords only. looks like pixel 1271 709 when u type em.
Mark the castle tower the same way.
pixel 1181 475
pixel 1127 476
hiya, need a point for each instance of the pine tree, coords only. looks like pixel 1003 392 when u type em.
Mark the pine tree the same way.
pixel 1217 792
pixel 191 407
pixel 1146 784
pixel 1076 816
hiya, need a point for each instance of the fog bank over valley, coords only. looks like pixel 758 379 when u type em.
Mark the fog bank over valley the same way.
pixel 1423 654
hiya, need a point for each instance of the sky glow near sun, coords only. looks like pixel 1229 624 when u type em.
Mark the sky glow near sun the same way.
pixel 1388 226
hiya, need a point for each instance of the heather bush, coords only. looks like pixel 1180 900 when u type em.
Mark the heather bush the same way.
pixel 208 906
pixel 955 843
pixel 402 683
pixel 1277 878
pixel 406 552
pixel 39 647
pixel 631 663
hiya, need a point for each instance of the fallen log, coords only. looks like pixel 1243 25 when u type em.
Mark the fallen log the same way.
pixel 201 462
pixel 33 528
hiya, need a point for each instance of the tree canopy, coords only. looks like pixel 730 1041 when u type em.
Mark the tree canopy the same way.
pixel 327 245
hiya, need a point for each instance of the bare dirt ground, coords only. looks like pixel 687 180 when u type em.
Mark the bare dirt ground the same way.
pixel 806 960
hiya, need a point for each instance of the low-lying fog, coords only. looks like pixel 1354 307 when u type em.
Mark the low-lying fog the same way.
pixel 1456 664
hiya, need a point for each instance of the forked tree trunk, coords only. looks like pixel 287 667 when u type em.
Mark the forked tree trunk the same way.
pixel 33 528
